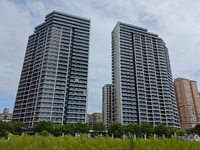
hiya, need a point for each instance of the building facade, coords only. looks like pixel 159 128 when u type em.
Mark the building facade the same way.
pixel 188 101
pixel 107 103
pixel 5 116
pixel 94 119
pixel 54 77
pixel 141 76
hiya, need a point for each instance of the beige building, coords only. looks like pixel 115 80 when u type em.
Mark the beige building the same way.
pixel 94 118
pixel 5 116
pixel 188 101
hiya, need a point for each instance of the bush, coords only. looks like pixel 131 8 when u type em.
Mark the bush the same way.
pixel 44 133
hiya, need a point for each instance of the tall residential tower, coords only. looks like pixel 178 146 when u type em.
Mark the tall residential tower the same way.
pixel 188 101
pixel 54 77
pixel 107 103
pixel 141 76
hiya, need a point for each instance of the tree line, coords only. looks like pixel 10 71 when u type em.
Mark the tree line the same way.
pixel 12 127
pixel 117 129
pixel 114 129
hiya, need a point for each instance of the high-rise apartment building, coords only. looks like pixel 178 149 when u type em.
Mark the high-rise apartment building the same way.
pixel 54 77
pixel 188 101
pixel 141 76
pixel 107 101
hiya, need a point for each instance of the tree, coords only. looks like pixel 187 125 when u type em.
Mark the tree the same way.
pixel 43 126
pixel 116 129
pixel 173 130
pixel 4 133
pixel 57 130
pixel 182 132
pixel 129 129
pixel 138 129
pixel 99 127
pixel 19 127
pixel 80 128
pixel 196 129
pixel 5 128
pixel 147 128
pixel 190 131
pixel 66 129
pixel 162 129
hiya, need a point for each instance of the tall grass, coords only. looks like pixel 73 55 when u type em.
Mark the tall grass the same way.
pixel 97 143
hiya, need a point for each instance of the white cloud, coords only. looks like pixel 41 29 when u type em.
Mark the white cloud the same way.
pixel 15 28
pixel 37 8
pixel 177 23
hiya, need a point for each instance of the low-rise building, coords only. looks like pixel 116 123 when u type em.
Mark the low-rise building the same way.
pixel 6 116
pixel 192 137
pixel 94 119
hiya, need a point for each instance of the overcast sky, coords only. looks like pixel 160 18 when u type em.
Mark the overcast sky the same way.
pixel 177 22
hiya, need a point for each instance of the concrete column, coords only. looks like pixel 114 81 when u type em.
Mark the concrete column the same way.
pixel 175 134
pixel 9 136
pixel 76 135
pixel 145 137
pixel 134 136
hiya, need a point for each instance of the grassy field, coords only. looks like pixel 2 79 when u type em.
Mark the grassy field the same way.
pixel 97 143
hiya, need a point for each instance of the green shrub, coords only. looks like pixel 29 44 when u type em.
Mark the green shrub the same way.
pixel 44 133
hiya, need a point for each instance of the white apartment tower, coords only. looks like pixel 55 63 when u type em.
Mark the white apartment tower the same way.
pixel 143 89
